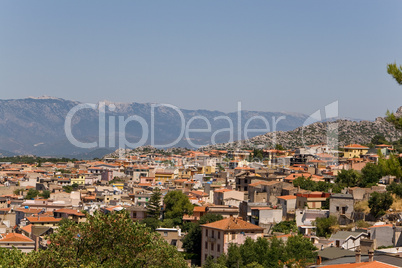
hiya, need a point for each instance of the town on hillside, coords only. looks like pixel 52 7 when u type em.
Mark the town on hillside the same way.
pixel 344 203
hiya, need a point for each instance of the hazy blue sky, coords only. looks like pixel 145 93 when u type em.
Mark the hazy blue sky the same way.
pixel 272 55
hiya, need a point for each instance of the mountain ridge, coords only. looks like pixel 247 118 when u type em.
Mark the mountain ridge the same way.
pixel 35 125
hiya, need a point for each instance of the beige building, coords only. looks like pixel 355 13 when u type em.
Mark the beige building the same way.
pixel 19 241
pixel 173 236
pixel 217 236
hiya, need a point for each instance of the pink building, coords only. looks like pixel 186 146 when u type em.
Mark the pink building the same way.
pixel 217 236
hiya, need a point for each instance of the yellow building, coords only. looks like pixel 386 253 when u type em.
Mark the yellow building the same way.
pixel 354 150
pixel 209 170
pixel 80 180
pixel 164 176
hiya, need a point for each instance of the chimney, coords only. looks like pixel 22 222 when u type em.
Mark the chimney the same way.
pixel 358 255
pixel 319 260
pixel 371 255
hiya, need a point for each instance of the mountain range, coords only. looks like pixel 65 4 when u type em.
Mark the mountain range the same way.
pixel 36 126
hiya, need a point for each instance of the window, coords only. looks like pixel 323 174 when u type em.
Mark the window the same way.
pixel 213 234
pixel 206 245
pixel 219 248
pixel 337 208
pixel 219 235
pixel 212 246
pixel 174 242
pixel 165 233
pixel 206 232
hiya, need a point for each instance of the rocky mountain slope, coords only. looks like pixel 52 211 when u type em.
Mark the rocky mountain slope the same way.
pixel 343 131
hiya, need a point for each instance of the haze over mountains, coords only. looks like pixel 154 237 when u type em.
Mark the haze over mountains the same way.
pixel 36 126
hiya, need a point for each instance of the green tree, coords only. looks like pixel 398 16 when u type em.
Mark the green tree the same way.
pixel 154 204
pixel 258 154
pixel 348 178
pixel 12 258
pixel 285 227
pixel 379 139
pixel 379 203
pixel 176 205
pixel 107 240
pixel 371 175
pixel 303 183
pixel 297 252
pixel 68 188
pixel 390 166
pixel 151 223
pixel 234 259
pixel 279 147
pixel 395 188
pixel 324 225
pixel 395 72
pixel 45 194
pixel 210 217
pixel 32 193
pixel 301 249
pixel 17 191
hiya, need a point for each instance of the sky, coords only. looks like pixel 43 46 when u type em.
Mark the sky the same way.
pixel 295 56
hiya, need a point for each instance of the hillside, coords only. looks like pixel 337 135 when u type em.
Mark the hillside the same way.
pixel 360 132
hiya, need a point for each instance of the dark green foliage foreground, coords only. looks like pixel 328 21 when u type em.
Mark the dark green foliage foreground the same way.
pixel 103 241
pixel 297 252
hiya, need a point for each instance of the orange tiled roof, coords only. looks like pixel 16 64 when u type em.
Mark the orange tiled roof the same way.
pixel 27 228
pixel 287 197
pixel 261 208
pixel 43 219
pixel 355 146
pixel 199 193
pixel 29 210
pixel 382 225
pixel 199 209
pixel 14 237
pixel 70 211
pixel 232 223
pixel 222 190
pixel 373 264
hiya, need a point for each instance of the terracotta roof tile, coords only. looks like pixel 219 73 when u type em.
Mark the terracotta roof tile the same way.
pixel 232 223
pixel 14 237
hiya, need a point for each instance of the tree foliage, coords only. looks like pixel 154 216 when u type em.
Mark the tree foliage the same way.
pixel 176 205
pixel 12 258
pixel 154 204
pixel 309 184
pixel 395 72
pixel 379 203
pixel 395 188
pixel 348 178
pixel 298 251
pixel 32 193
pixel 379 139
pixel 45 194
pixel 285 227
pixel 390 166
pixel 325 225
pixel 371 175
pixel 111 240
